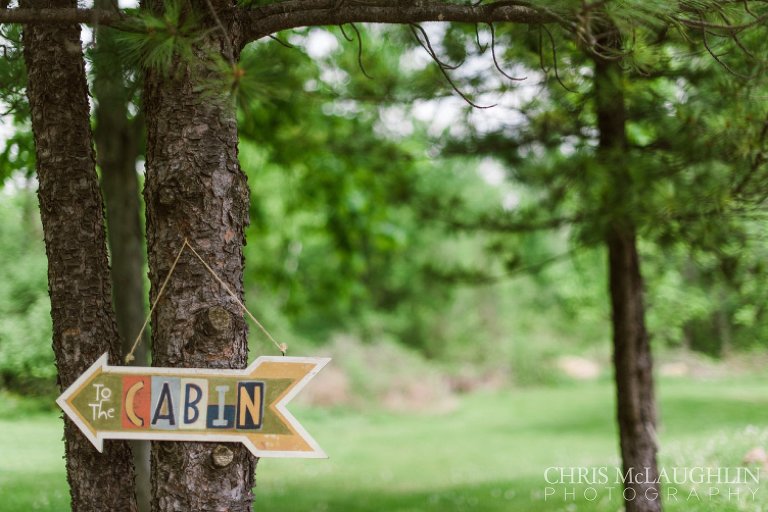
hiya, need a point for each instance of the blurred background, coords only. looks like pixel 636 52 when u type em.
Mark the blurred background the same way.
pixel 450 259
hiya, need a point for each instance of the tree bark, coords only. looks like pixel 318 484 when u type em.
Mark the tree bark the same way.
pixel 117 150
pixel 636 405
pixel 634 374
pixel 262 20
pixel 195 189
pixel 73 225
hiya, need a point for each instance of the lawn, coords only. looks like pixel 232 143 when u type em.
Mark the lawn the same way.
pixel 488 454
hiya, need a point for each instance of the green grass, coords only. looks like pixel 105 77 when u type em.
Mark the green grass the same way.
pixel 489 454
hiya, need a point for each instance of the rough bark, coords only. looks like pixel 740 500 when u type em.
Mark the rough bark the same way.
pixel 263 20
pixel 195 189
pixel 274 17
pixel 636 405
pixel 78 272
pixel 117 150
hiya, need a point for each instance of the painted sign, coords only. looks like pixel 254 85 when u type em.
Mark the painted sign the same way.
pixel 196 404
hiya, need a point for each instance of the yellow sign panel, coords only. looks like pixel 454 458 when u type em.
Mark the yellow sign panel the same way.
pixel 196 404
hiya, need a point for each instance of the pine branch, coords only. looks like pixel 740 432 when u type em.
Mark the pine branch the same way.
pixel 61 16
pixel 264 20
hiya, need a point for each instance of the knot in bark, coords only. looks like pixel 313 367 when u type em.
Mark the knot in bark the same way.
pixel 218 320
pixel 222 456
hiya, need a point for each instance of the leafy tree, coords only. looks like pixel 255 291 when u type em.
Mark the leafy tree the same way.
pixel 195 189
pixel 25 355
pixel 608 161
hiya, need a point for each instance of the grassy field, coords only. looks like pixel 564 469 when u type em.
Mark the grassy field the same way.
pixel 489 454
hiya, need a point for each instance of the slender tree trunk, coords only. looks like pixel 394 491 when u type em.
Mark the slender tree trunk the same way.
pixel 631 348
pixel 634 375
pixel 724 332
pixel 690 278
pixel 195 189
pixel 73 225
pixel 117 150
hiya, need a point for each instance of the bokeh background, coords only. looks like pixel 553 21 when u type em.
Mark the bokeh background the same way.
pixel 449 259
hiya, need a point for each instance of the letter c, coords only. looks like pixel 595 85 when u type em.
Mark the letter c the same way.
pixel 129 396
pixel 546 476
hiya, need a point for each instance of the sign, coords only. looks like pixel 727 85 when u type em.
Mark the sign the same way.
pixel 196 404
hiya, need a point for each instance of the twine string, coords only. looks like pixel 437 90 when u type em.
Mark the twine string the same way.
pixel 129 358
pixel 282 347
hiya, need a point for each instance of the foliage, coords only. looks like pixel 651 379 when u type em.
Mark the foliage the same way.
pixel 695 137
pixel 370 218
pixel 17 152
pixel 340 213
pixel 26 358
pixel 158 40
pixel 12 72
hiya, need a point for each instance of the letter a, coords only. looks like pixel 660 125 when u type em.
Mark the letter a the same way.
pixel 164 407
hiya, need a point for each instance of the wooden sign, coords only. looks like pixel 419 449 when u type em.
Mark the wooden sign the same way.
pixel 196 404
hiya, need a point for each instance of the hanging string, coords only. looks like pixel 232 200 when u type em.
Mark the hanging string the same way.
pixel 129 358
pixel 282 347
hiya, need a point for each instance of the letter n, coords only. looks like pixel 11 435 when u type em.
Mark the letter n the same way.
pixel 250 404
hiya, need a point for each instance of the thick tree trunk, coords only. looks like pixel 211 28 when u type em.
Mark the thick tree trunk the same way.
pixel 195 189
pixel 117 150
pixel 631 348
pixel 78 272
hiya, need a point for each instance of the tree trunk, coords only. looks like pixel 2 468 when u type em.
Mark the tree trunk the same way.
pixel 117 150
pixel 724 332
pixel 73 225
pixel 636 405
pixel 195 189
pixel 690 275
pixel 634 374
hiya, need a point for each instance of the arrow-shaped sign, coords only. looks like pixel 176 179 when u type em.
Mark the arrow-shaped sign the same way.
pixel 196 404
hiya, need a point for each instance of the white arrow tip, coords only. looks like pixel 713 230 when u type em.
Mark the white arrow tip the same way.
pixel 63 402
